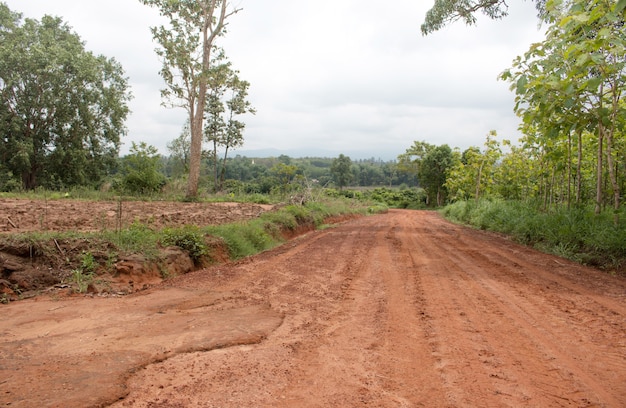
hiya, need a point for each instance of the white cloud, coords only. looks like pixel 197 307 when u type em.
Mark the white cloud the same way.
pixel 353 77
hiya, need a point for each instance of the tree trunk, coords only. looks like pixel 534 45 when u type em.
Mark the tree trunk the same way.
pixel 599 175
pixel 211 29
pixel 215 167
pixel 613 176
pixel 569 170
pixel 579 167
pixel 223 169
pixel 195 154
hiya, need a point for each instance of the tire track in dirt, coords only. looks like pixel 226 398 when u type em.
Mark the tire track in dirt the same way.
pixel 540 363
pixel 375 348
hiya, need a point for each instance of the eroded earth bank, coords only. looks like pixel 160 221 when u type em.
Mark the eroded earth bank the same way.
pixel 395 310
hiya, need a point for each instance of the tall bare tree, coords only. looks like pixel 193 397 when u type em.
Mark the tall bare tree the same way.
pixel 186 47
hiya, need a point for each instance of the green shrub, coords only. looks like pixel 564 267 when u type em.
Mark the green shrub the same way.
pixel 282 218
pixel 140 170
pixel 244 239
pixel 575 233
pixel 137 238
pixel 188 238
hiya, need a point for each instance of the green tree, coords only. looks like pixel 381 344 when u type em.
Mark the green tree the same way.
pixel 433 173
pixel 62 108
pixel 141 170
pixel 573 82
pixel 474 173
pixel 341 171
pixel 226 101
pixel 430 165
pixel 179 151
pixel 186 50
pixel 516 174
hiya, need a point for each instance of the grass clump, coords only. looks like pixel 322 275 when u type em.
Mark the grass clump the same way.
pixel 189 238
pixel 245 239
pixel 137 238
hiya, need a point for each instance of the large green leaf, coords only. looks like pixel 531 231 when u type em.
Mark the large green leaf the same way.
pixel 593 84
pixel 521 84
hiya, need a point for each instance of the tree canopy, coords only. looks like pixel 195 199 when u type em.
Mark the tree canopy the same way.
pixel 444 12
pixel 340 169
pixel 572 84
pixel 62 108
pixel 430 164
pixel 226 101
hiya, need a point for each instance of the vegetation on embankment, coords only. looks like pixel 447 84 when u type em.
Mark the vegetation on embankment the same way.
pixel 575 233
pixel 90 261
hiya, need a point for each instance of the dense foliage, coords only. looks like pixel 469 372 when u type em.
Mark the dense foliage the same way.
pixel 430 164
pixel 286 174
pixel 570 95
pixel 62 108
pixel 574 233
pixel 140 171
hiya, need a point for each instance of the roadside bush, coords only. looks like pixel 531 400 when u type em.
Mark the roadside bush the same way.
pixel 244 239
pixel 282 218
pixel 189 238
pixel 301 214
pixel 140 172
pixel 576 233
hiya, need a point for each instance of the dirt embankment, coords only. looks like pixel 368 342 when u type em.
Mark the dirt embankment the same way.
pixel 21 215
pixel 27 270
pixel 399 309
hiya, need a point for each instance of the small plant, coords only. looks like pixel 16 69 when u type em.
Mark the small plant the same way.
pixel 84 276
pixel 82 280
pixel 88 263
pixel 189 238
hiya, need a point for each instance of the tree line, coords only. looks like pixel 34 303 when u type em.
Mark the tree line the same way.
pixel 63 111
pixel 570 97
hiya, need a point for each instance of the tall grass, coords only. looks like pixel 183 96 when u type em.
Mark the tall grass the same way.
pixel 251 237
pixel 576 233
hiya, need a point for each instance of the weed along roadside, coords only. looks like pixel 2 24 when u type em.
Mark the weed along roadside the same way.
pixel 119 262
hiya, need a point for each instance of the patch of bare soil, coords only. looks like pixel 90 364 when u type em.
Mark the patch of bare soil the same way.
pixel 398 309
pixel 19 215
pixel 26 270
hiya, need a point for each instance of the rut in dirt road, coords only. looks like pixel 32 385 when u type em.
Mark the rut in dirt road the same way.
pixel 403 310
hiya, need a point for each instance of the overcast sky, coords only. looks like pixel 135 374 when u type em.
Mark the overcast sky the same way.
pixel 327 76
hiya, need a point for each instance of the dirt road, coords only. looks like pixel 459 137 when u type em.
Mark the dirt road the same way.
pixel 395 310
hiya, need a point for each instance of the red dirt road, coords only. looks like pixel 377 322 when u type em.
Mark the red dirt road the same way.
pixel 395 310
